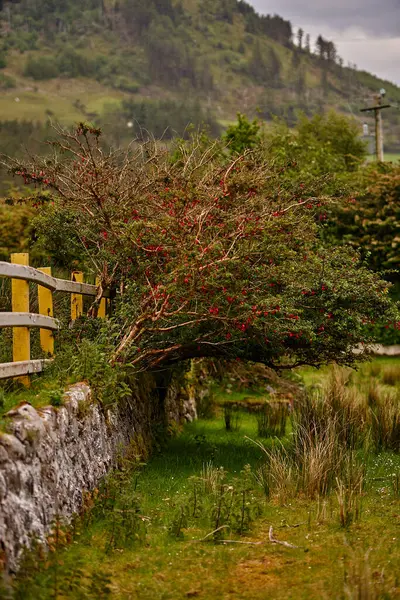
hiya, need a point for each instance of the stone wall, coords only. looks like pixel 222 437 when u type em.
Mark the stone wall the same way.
pixel 51 456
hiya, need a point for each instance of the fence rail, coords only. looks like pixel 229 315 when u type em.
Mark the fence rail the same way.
pixel 22 368
pixel 22 320
pixel 22 272
pixel 31 320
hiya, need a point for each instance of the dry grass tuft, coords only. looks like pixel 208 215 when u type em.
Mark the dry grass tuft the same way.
pixel 391 375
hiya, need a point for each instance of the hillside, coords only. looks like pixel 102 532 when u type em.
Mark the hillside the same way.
pixel 160 64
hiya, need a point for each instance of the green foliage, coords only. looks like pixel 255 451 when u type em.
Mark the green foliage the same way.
pixel 60 578
pixel 182 479
pixel 271 420
pixel 370 220
pixel 17 233
pixel 254 279
pixel 169 53
pixel 56 237
pixel 42 67
pixel 164 119
pixel 264 66
pixel 134 44
pixel 337 134
pixel 243 135
pixel 325 145
pixel 56 397
pixel 7 82
pixel 67 63
pixel 84 355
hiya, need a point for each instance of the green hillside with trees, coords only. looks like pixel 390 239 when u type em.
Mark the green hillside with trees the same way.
pixel 156 65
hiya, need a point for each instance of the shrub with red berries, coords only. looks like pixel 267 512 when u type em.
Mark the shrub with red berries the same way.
pixel 208 255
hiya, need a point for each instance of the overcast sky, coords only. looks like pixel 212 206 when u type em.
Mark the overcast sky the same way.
pixel 366 32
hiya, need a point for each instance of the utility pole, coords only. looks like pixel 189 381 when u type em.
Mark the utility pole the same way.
pixel 378 123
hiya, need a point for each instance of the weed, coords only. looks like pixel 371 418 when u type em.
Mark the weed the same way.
pixel 375 369
pixel 396 484
pixel 179 523
pixel 385 421
pixel 99 585
pixel 246 506
pixel 185 494
pixel 271 420
pixel 206 405
pixel 263 478
pixel 349 491
pixel 391 375
pixel 373 394
pixel 56 398
pixel 125 526
pixel 361 582
pixel 211 478
pixel 232 417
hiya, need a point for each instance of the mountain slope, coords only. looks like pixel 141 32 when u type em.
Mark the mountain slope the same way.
pixel 160 63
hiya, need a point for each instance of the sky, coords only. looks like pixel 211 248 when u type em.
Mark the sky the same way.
pixel 366 32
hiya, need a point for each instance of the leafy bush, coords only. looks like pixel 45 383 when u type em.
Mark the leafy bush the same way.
pixel 126 85
pixel 56 397
pixel 325 145
pixel 41 67
pixel 162 119
pixel 16 232
pixel 6 82
pixel 339 135
pixel 370 220
pixel 242 135
pixel 74 64
pixel 67 63
pixel 218 254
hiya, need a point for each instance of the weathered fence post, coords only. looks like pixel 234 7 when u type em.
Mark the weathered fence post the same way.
pixel 76 299
pixel 20 303
pixel 45 297
pixel 101 313
pixel 21 320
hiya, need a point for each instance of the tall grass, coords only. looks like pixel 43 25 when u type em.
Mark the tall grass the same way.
pixel 384 410
pixel 391 375
pixel 333 427
pixel 271 420
pixel 362 581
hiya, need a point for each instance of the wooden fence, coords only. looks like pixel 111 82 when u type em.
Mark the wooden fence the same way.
pixel 22 320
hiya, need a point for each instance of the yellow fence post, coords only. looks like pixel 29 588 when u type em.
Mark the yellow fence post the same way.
pixel 101 313
pixel 76 299
pixel 20 303
pixel 45 297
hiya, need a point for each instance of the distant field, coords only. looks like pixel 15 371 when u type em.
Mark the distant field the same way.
pixel 392 157
pixel 389 157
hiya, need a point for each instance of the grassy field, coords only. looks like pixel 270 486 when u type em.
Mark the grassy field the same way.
pixel 389 157
pixel 195 520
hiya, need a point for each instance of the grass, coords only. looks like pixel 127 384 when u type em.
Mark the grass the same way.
pixel 388 156
pixel 315 377
pixel 217 45
pixel 56 98
pixel 43 392
pixel 157 553
pixel 226 394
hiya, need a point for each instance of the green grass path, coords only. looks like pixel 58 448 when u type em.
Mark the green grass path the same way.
pixel 159 566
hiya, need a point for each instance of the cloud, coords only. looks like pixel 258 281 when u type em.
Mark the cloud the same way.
pixel 381 19
pixel 365 33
